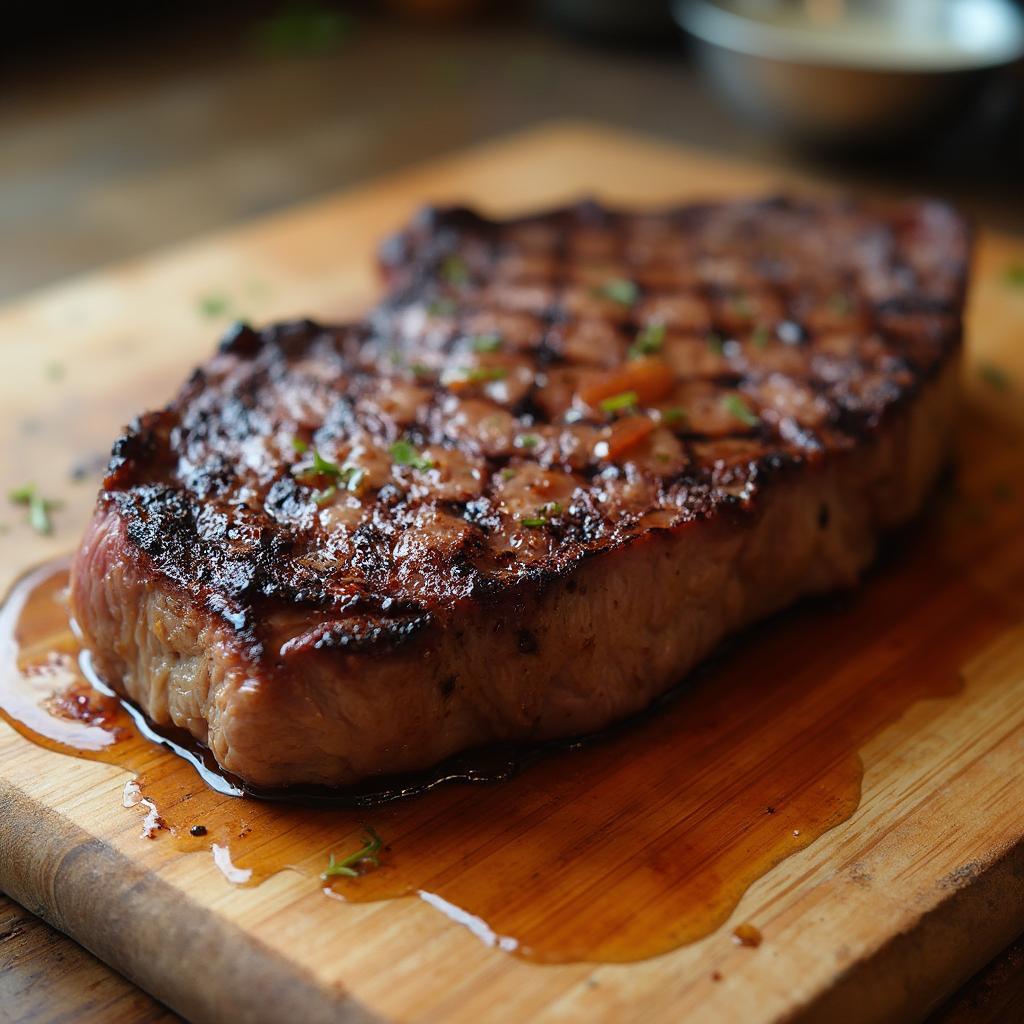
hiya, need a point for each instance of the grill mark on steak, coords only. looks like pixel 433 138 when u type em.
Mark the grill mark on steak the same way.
pixel 817 317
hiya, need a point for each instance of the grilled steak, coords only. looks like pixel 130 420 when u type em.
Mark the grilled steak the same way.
pixel 563 457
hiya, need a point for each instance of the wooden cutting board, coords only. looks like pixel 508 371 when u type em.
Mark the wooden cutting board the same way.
pixel 878 919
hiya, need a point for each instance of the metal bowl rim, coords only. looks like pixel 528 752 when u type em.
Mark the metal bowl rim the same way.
pixel 714 25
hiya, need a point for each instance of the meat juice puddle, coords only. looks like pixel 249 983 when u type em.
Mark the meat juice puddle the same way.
pixel 612 850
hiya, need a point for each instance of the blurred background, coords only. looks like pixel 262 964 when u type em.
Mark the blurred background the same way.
pixel 127 126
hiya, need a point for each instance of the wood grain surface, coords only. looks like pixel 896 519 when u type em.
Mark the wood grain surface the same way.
pixel 880 919
pixel 45 978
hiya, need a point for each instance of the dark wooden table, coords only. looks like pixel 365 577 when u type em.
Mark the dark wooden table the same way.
pixel 122 145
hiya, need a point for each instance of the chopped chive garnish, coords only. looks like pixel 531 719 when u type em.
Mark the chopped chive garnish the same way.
pixel 487 343
pixel 620 290
pixel 648 341
pixel 673 415
pixel 325 466
pixel 352 477
pixel 1015 275
pixel 324 496
pixel 347 476
pixel 442 307
pixel 527 441
pixel 404 454
pixel 39 515
pixel 542 518
pixel 22 495
pixel 994 376
pixel 454 270
pixel 616 403
pixel 299 445
pixel 39 508
pixel 367 854
pixel 760 336
pixel 480 374
pixel 213 305
pixel 507 474
pixel 715 343
pixel 419 369
pixel 737 407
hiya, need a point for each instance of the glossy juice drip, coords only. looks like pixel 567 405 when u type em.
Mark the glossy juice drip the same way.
pixel 616 849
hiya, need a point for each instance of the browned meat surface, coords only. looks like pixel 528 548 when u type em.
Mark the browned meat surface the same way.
pixel 546 475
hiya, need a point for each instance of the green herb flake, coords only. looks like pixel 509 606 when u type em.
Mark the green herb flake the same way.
pixel 304 30
pixel 618 289
pixel 741 306
pixel 543 516
pixel 648 341
pixel 534 522
pixel 22 495
pixel 673 415
pixel 369 853
pixel 840 304
pixel 214 305
pixel 1015 275
pixel 616 403
pixel 995 376
pixel 760 336
pixel 39 515
pixel 715 343
pixel 487 343
pixel 348 477
pixel 39 508
pixel 419 369
pixel 404 454
pixel 736 406
pixel 299 445
pixel 507 474
pixel 55 371
pixel 324 466
pixel 527 441
pixel 481 374
pixel 454 270
pixel 442 307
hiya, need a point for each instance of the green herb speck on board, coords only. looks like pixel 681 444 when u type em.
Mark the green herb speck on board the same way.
pixel 367 854
pixel 995 376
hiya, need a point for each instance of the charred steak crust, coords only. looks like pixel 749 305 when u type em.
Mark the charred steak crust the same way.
pixel 325 509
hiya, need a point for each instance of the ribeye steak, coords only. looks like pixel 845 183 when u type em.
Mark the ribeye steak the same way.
pixel 563 457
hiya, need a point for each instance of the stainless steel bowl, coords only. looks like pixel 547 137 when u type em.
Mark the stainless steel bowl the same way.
pixel 850 71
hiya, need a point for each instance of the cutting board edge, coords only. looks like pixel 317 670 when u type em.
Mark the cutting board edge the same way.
pixel 952 924
pixel 60 872
pixel 68 871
